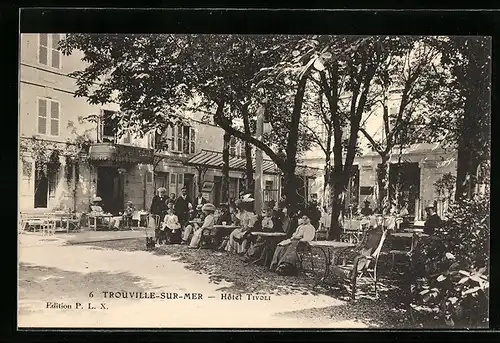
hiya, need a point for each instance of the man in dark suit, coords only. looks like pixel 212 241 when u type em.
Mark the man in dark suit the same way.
pixel 433 221
pixel 181 207
pixel 200 200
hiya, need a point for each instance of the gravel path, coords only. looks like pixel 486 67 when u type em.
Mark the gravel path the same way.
pixel 58 273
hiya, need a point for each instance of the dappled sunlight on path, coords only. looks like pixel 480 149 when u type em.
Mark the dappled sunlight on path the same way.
pixel 101 270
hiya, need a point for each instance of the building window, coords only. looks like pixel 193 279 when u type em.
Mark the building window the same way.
pixel 126 138
pixel 48 117
pixel 107 127
pixel 236 147
pixel 182 139
pixel 48 50
pixel 192 141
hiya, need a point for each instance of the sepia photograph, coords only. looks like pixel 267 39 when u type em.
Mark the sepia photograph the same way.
pixel 253 181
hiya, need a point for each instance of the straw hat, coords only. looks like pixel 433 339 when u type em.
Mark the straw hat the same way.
pixel 130 202
pixel 247 198
pixel 429 207
pixel 208 207
pixel 96 198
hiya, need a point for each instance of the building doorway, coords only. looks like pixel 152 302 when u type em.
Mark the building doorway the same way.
pixel 110 188
pixel 41 189
pixel 404 184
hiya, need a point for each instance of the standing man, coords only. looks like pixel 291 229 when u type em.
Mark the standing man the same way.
pixel 182 205
pixel 433 221
pixel 158 204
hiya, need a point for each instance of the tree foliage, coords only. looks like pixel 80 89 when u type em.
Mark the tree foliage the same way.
pixel 450 271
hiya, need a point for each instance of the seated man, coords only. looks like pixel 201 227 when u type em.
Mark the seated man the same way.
pixel 432 222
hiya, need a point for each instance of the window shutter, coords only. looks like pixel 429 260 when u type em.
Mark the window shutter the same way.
pixel 42 116
pixel 172 133
pixel 54 118
pixel 179 138
pixel 43 49
pixel 56 54
pixel 193 141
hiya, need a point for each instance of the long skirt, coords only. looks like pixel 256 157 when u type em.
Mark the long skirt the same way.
pixel 233 245
pixel 174 236
pixel 285 259
pixel 195 241
pixel 186 233
pixel 255 250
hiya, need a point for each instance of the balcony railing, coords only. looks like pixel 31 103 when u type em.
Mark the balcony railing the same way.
pixel 120 153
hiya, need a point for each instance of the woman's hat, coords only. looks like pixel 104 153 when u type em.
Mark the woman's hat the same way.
pixel 208 207
pixel 130 202
pixel 247 198
pixel 96 198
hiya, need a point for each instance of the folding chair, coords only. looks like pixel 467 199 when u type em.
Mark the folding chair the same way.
pixel 364 263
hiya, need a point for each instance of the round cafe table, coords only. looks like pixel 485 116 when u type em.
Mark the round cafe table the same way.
pixel 271 240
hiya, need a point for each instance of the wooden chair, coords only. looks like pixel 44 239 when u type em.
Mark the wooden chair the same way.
pixel 136 217
pixel 75 222
pixel 49 227
pixel 364 264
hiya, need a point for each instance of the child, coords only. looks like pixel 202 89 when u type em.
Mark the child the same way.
pixel 173 227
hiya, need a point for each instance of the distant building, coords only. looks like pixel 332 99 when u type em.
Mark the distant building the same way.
pixel 421 166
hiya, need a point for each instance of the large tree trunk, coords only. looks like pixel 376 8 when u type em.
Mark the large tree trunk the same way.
pixel 249 167
pixel 248 150
pixel 384 203
pixel 225 168
pixel 291 148
pixel 338 183
pixel 290 186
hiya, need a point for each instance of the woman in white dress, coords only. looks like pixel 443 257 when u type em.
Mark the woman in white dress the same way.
pixel 237 242
pixel 209 210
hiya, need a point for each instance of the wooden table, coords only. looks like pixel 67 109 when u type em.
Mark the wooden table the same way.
pixel 328 248
pixel 93 223
pixel 271 240
pixel 62 217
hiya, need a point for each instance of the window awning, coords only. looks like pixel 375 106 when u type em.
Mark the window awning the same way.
pixel 213 159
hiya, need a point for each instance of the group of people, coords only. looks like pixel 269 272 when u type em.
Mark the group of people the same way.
pixel 183 221
pixel 124 218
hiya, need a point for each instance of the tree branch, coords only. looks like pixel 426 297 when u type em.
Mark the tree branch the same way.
pixel 225 124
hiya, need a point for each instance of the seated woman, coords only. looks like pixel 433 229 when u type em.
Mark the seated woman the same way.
pixel 95 209
pixel 208 223
pixel 257 248
pixel 172 227
pixel 196 217
pixel 285 259
pixel 237 239
pixel 126 218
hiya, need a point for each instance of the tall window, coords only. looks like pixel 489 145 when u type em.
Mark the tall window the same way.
pixel 107 127
pixel 236 147
pixel 48 50
pixel 181 138
pixel 48 117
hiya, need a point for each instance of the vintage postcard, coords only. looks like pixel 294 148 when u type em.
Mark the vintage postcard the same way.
pixel 253 181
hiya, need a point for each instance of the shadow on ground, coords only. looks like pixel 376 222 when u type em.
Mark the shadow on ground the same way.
pixel 385 310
